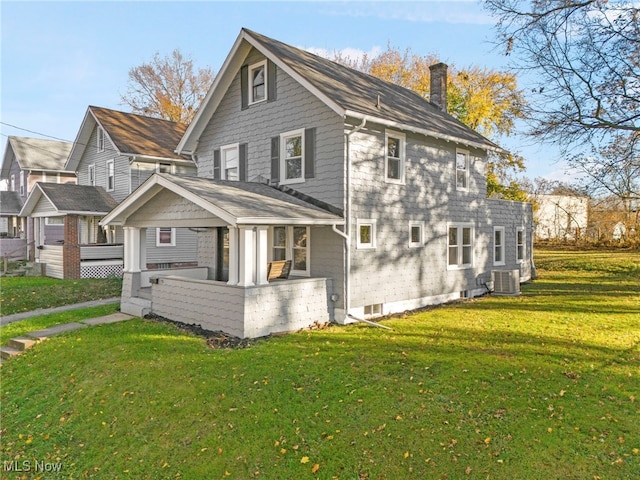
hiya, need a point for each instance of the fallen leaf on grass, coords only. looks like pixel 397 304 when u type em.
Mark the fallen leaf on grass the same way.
pixel 315 468
pixel 304 460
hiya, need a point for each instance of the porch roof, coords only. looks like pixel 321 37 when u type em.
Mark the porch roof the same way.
pixel 67 199
pixel 236 203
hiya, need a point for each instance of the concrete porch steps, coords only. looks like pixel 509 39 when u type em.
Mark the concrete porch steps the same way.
pixel 18 345
pixel 135 306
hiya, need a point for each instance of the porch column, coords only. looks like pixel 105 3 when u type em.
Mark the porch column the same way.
pixel 142 250
pixel 261 255
pixel 131 249
pixel 233 256
pixel 247 256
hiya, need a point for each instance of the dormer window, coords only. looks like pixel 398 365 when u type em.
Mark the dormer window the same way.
pixel 258 82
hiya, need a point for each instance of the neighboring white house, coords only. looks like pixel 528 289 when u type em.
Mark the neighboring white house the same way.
pixel 375 195
pixel 561 217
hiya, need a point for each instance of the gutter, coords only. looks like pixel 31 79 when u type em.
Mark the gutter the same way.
pixel 424 131
pixel 346 234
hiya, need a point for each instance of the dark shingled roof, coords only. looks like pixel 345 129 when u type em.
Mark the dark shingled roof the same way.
pixel 251 199
pixel 140 135
pixel 68 197
pixel 358 92
pixel 10 203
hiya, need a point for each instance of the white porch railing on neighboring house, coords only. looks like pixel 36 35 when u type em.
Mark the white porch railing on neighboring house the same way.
pixel 96 261
pixel 51 256
pixel 101 252
pixel 101 261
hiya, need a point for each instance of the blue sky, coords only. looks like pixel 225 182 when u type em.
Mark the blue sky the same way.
pixel 59 57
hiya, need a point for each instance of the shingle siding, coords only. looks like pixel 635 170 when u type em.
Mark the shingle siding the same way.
pixel 394 273
pixel 293 109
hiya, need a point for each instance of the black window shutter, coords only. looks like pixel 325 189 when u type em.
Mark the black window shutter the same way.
pixel 216 164
pixel 271 81
pixel 243 162
pixel 310 153
pixel 275 159
pixel 244 87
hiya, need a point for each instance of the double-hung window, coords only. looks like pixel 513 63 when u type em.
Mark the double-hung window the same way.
pixel 22 189
pixel 92 175
pixel 292 243
pixel 292 156
pixel 229 162
pixel 258 82
pixel 498 246
pixel 462 170
pixel 165 237
pixel 111 176
pixel 460 246
pixel 13 182
pixel 520 249
pixel 100 140
pixel 394 157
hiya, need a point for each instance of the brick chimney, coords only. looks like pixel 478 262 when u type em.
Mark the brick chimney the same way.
pixel 439 85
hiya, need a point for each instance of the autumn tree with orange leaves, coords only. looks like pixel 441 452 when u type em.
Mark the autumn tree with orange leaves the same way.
pixel 167 87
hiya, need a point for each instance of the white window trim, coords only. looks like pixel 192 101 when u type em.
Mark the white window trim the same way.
pixel 460 226
pixel 467 168
pixel 173 238
pixel 524 244
pixel 420 243
pixel 288 248
pixel 13 182
pixel 171 165
pixel 364 222
pixel 22 189
pixel 250 82
pixel 501 246
pixel 223 163
pixel 48 222
pixel 283 162
pixel 100 140
pixel 110 162
pixel 403 150
pixel 91 171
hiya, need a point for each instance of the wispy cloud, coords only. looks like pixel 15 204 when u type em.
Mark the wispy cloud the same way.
pixel 455 12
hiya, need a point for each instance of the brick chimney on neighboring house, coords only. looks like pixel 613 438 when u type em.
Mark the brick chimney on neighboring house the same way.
pixel 438 94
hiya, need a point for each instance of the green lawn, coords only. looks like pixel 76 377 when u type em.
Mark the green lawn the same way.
pixel 21 294
pixel 542 386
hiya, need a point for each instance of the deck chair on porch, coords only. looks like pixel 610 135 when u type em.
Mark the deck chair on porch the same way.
pixel 278 269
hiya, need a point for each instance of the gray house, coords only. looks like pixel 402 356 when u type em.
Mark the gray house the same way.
pixel 114 152
pixel 27 161
pixel 375 195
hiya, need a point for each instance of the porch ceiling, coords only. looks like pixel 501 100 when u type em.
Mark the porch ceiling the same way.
pixel 198 201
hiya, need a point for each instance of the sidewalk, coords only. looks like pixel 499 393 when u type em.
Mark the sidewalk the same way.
pixel 44 311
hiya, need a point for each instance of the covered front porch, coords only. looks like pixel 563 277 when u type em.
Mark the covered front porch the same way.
pixel 242 228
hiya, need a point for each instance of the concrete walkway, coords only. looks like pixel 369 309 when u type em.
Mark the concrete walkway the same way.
pixel 18 345
pixel 44 311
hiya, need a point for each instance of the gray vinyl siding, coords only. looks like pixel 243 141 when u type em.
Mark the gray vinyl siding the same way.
pixel 185 249
pixel 294 108
pixel 396 272
pixel 91 156
pixel 141 171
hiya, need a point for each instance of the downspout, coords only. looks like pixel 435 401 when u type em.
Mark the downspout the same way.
pixel 347 217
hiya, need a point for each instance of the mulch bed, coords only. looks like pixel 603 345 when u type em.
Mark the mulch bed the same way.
pixel 215 339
